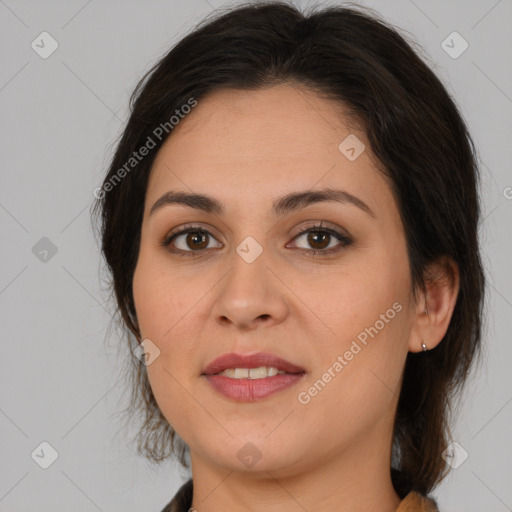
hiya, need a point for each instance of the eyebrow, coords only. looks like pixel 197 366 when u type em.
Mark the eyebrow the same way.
pixel 281 206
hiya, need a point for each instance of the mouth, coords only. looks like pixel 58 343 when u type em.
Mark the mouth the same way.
pixel 249 378
pixel 255 366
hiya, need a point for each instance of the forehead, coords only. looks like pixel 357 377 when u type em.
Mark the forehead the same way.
pixel 238 143
pixel 278 121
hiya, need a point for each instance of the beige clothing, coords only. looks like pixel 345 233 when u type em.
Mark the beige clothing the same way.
pixel 413 502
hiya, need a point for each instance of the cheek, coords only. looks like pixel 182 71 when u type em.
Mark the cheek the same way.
pixel 169 317
pixel 365 294
pixel 161 299
pixel 163 319
pixel 366 307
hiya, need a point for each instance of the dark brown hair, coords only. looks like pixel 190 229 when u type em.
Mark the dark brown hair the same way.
pixel 416 132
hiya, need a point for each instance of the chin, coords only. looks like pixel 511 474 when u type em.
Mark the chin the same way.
pixel 255 455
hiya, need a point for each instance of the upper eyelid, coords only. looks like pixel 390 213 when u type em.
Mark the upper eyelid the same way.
pixel 343 238
pixel 183 230
pixel 189 226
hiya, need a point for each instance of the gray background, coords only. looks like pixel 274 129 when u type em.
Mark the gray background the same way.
pixel 61 382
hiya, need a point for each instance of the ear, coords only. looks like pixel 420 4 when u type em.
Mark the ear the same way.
pixel 434 311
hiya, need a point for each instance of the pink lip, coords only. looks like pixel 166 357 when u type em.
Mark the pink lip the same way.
pixel 249 390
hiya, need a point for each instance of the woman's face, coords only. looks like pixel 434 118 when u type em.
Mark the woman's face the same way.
pixel 249 283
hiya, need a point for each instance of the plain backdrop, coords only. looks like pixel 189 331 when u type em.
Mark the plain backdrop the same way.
pixel 61 114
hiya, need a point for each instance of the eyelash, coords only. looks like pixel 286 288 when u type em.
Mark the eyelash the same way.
pixel 345 241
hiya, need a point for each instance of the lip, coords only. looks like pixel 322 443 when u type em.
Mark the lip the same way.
pixel 234 360
pixel 250 390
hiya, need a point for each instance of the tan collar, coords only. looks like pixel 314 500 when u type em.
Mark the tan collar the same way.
pixel 413 502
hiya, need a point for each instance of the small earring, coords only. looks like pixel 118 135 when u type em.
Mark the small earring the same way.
pixel 423 346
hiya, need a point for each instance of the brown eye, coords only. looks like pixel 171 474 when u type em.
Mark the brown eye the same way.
pixel 317 239
pixel 188 240
pixel 196 240
pixel 322 240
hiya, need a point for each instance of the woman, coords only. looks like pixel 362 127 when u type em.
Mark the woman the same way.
pixel 290 222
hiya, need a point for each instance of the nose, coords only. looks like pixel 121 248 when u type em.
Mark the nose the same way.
pixel 250 295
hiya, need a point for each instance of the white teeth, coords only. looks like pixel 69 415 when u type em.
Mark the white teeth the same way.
pixel 241 373
pixel 252 373
pixel 258 373
pixel 273 371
